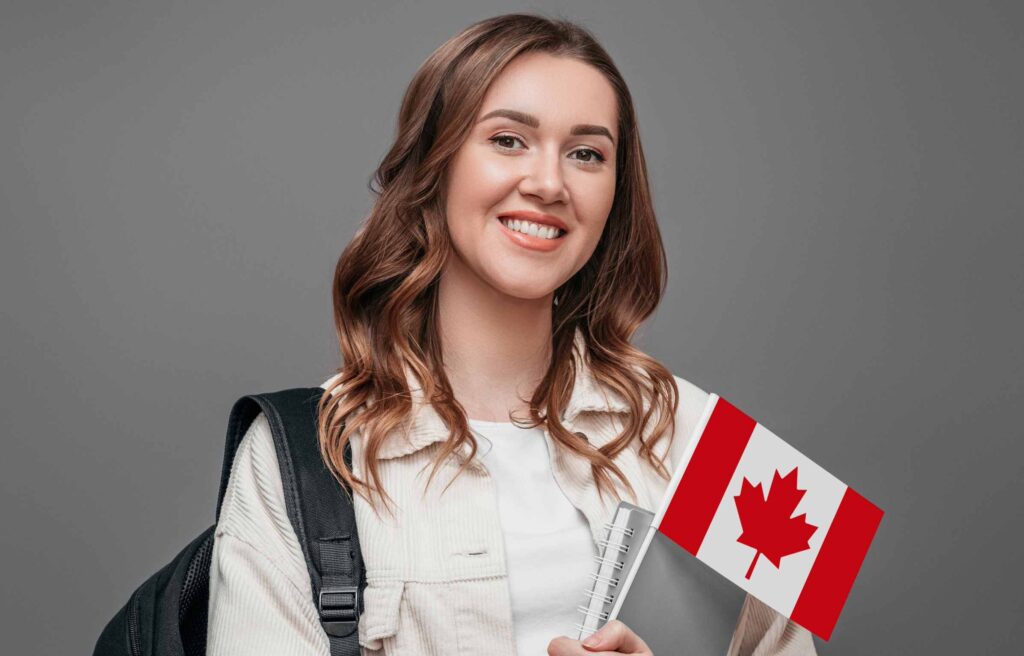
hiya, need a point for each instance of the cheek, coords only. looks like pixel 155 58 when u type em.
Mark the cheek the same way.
pixel 477 183
pixel 593 205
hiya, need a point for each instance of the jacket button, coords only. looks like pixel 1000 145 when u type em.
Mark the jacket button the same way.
pixel 583 436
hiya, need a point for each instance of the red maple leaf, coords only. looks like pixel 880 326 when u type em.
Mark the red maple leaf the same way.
pixel 767 523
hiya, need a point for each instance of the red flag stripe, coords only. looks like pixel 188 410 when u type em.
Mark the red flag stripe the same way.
pixel 707 476
pixel 836 566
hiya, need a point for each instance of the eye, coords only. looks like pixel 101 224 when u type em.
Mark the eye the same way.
pixel 499 139
pixel 592 157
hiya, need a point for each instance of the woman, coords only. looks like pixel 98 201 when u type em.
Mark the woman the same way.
pixel 496 409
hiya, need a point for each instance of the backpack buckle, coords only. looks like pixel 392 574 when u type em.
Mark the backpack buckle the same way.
pixel 339 609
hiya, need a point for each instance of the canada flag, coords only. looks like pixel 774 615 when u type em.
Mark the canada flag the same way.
pixel 760 513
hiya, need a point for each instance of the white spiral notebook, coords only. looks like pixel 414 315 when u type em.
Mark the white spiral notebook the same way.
pixel 674 602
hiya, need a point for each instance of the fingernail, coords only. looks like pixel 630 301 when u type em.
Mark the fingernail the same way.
pixel 592 641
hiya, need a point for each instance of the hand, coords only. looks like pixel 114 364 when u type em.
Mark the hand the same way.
pixel 613 638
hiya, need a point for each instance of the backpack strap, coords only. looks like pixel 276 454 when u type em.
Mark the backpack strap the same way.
pixel 319 507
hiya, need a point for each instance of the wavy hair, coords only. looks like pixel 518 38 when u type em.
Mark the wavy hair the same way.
pixel 385 282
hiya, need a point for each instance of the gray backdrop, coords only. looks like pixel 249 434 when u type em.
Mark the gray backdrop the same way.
pixel 839 187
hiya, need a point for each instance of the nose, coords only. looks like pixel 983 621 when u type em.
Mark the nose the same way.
pixel 544 178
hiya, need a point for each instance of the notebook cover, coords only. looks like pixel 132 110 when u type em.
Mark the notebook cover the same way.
pixel 679 605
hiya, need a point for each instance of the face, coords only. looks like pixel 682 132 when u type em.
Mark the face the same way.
pixel 530 190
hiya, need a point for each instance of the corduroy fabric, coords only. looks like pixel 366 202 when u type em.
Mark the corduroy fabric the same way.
pixel 436 574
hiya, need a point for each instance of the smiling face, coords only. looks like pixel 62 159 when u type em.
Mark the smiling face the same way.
pixel 530 190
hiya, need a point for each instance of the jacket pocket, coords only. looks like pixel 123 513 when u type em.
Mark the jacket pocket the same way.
pixel 379 619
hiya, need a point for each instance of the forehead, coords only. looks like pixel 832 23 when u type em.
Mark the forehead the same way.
pixel 560 91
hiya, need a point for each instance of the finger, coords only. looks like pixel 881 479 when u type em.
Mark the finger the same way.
pixel 616 637
pixel 563 646
pixel 566 647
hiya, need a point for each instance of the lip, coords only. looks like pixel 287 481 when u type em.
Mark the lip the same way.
pixel 536 217
pixel 528 241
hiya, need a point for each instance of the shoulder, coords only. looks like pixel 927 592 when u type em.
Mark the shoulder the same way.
pixel 254 509
pixel 692 400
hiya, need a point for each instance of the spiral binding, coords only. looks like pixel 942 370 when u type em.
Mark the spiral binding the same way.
pixel 621 548
pixel 600 560
pixel 586 611
pixel 610 550
pixel 605 599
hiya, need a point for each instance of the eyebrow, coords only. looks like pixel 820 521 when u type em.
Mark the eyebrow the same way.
pixel 534 122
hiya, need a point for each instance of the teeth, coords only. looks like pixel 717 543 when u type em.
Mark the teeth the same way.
pixel 531 228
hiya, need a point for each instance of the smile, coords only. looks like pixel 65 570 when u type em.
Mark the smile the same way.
pixel 532 236
pixel 530 228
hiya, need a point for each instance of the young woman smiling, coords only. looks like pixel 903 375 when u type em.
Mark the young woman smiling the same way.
pixel 496 409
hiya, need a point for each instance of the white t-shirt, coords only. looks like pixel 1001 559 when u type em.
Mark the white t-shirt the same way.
pixel 548 546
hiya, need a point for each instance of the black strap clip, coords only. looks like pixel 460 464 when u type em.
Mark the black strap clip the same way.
pixel 339 609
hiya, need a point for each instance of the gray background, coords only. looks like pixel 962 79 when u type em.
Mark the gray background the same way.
pixel 838 183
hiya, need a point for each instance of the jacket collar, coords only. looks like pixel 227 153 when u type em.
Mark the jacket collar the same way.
pixel 426 427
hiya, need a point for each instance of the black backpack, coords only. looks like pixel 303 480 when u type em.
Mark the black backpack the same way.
pixel 166 615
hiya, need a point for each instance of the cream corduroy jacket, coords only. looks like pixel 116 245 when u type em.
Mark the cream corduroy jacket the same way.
pixel 436 575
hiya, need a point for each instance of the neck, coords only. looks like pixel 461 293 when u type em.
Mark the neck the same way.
pixel 496 347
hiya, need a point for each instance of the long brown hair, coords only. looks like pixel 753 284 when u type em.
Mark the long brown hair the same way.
pixel 385 282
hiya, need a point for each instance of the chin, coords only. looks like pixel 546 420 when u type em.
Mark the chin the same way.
pixel 528 290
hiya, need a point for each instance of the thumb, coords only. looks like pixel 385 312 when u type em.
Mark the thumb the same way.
pixel 615 636
pixel 601 637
